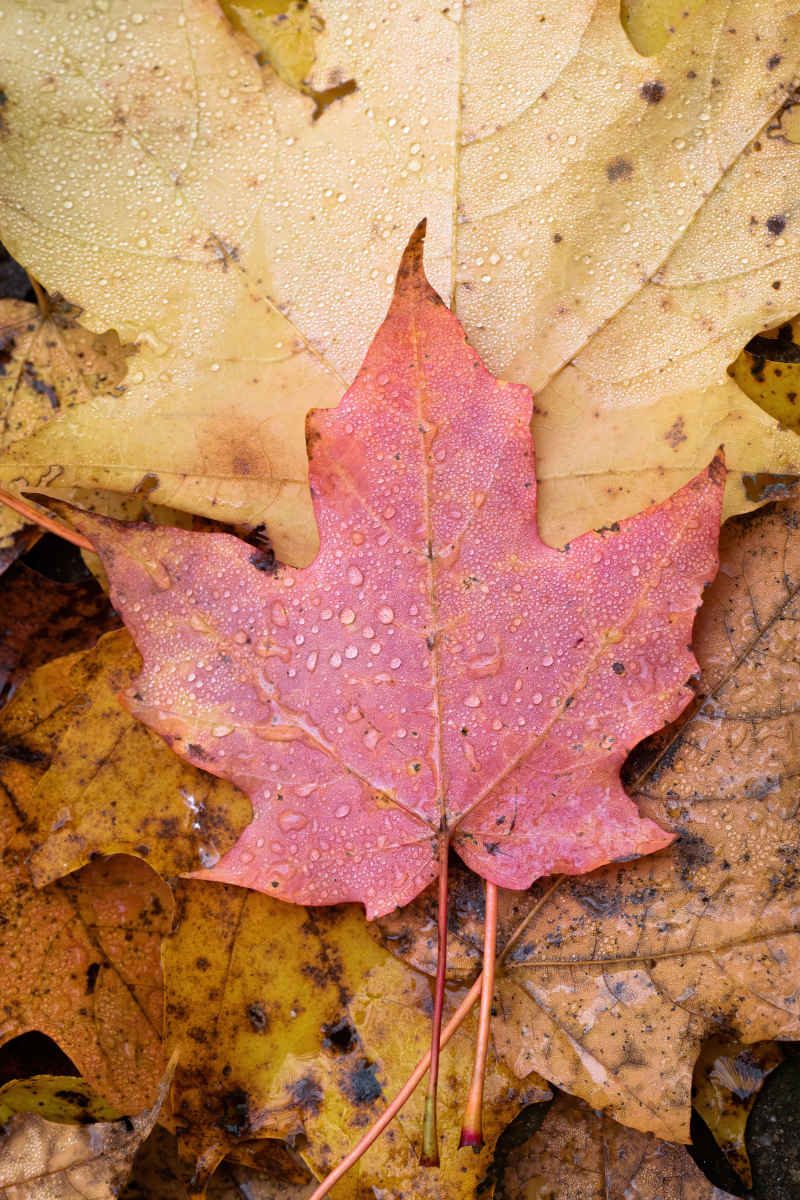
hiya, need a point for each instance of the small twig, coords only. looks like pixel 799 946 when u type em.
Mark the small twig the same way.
pixel 37 517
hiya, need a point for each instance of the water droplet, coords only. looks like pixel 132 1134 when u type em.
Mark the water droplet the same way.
pixel 305 789
pixel 335 659
pixel 371 738
pixel 389 512
pixel 537 697
pixel 395 663
pixel 355 576
pixel 353 714
pixel 469 754
pixel 385 615
pixel 347 616
pixel 221 731
pixel 342 811
pixel 472 701
pixel 485 664
pixel 547 661
pixel 279 615
pixel 312 660
pixel 290 821
pixel 240 637
pixel 382 378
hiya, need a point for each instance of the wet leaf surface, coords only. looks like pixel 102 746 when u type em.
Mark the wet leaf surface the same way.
pixel 293 1023
pixel 48 364
pixel 621 974
pixel 41 1160
pixel 611 228
pixel 579 1154
pixel 61 1098
pixel 438 673
pixel 104 784
pixel 80 958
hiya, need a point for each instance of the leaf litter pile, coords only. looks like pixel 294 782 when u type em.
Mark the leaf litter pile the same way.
pixel 322 870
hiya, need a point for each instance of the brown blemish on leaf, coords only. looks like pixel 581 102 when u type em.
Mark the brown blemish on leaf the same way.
pixel 653 91
pixel 618 168
pixel 675 434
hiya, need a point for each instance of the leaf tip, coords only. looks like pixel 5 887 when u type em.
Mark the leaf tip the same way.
pixel 411 269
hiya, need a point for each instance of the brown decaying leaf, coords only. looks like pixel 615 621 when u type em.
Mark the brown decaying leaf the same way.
pixel 293 1021
pixel 41 619
pixel 81 958
pixel 48 364
pixel 621 974
pixel 40 1160
pixel 727 1080
pixel 106 784
pixel 159 1174
pixel 611 228
pixel 578 1154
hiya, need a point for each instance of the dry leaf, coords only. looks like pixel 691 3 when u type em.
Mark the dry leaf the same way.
pixel 48 364
pixel 107 785
pixel 622 973
pixel 612 229
pixel 40 1160
pixel 293 1021
pixel 578 1154
pixel 727 1080
pixel 80 958
pixel 159 1174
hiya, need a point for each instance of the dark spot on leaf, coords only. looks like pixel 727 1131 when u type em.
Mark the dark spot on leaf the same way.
pixel 340 1036
pixel 202 964
pixel 308 1094
pixel 773 61
pixel 361 1085
pixel 330 95
pixel 70 1097
pixel 618 668
pixel 92 971
pixel 557 237
pixel 652 91
pixel 21 753
pixel 618 168
pixel 776 224
pixel 196 751
pixel 235 1117
pixel 692 852
pixel 257 1017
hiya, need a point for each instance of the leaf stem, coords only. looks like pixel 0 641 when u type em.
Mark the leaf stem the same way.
pixel 430 1138
pixel 42 298
pixel 409 1087
pixel 406 1090
pixel 472 1127
pixel 38 517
